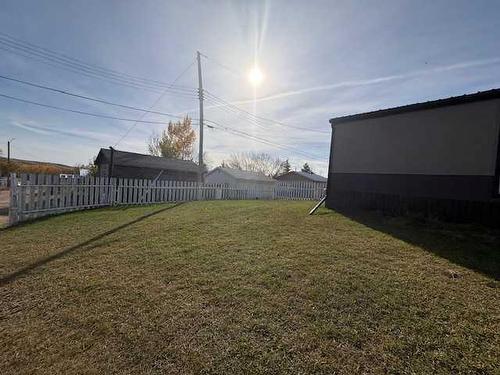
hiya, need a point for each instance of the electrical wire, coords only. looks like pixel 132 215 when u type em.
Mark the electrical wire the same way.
pixel 79 68
pixel 238 114
pixel 87 97
pixel 77 111
pixel 93 76
pixel 261 140
pixel 154 103
pixel 256 119
pixel 224 66
pixel 33 47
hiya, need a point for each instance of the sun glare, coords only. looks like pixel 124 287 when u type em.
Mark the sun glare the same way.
pixel 255 76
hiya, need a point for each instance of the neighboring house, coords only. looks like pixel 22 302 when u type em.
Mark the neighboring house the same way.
pixel 302 176
pixel 440 158
pixel 140 166
pixel 257 185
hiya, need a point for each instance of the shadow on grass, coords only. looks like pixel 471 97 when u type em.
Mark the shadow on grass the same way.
pixel 70 249
pixel 472 246
pixel 124 207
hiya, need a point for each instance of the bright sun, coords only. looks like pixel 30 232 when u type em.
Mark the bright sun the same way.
pixel 255 76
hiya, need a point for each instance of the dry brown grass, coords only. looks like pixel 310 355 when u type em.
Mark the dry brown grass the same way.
pixel 249 287
pixel 20 166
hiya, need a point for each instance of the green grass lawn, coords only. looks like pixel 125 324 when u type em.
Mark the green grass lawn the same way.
pixel 248 287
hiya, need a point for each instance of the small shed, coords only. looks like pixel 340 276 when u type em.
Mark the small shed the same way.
pixel 254 185
pixel 141 166
pixel 440 158
pixel 303 177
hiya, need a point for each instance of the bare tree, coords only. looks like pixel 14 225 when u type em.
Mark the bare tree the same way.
pixel 255 162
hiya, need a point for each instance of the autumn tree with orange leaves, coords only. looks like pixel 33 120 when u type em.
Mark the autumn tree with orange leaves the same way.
pixel 175 142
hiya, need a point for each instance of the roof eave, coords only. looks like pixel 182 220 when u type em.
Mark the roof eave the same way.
pixel 454 100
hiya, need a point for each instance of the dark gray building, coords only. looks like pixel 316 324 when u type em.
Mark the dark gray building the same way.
pixel 440 157
pixel 302 176
pixel 140 166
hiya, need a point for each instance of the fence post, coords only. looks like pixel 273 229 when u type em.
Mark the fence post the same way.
pixel 218 192
pixel 112 191
pixel 13 206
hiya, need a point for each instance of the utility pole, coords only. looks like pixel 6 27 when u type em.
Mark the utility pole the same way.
pixel 200 97
pixel 8 149
pixel 111 162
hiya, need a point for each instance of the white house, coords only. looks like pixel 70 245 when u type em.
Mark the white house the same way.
pixel 252 185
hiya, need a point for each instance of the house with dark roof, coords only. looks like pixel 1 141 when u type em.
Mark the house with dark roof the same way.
pixel 254 185
pixel 133 165
pixel 302 176
pixel 440 158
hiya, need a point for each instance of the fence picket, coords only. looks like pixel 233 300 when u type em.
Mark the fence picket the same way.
pixel 39 195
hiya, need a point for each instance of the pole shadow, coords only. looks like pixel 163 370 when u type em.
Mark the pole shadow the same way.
pixel 70 249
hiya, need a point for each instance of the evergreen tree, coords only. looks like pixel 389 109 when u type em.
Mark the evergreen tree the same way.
pixel 306 168
pixel 285 167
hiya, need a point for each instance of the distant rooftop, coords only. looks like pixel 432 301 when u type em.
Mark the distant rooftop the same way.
pixel 244 175
pixel 132 159
pixel 454 100
pixel 309 176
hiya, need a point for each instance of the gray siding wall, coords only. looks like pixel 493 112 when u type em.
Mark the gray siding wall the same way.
pixel 219 177
pixel 256 189
pixel 452 140
pixel 441 162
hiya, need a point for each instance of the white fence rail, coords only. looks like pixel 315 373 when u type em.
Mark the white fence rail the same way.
pixel 36 195
pixel 3 182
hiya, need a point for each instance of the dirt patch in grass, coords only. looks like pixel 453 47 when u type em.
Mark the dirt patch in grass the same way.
pixel 247 287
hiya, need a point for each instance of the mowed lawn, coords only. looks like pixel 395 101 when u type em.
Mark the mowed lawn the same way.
pixel 236 287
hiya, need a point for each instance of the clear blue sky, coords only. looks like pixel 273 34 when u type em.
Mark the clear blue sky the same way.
pixel 320 59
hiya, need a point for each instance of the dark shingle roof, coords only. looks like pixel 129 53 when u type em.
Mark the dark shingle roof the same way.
pixel 309 176
pixel 244 175
pixel 454 100
pixel 132 159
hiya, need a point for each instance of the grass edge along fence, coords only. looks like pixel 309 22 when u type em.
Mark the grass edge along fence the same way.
pixel 37 195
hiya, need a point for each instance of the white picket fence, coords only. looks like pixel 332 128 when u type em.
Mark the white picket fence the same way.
pixel 3 182
pixel 36 195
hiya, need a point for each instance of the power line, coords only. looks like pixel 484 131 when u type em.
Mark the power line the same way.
pixel 87 97
pixel 224 66
pixel 256 119
pixel 273 144
pixel 90 72
pixel 93 76
pixel 250 115
pixel 154 103
pixel 18 43
pixel 77 111
pixel 239 114
pixel 261 140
